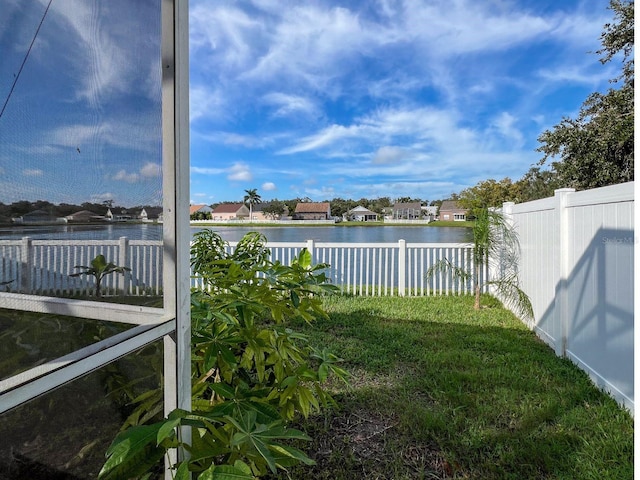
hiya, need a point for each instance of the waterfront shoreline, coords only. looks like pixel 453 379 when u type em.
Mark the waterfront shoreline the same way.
pixel 465 224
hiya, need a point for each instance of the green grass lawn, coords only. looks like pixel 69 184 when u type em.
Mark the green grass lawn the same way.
pixel 442 391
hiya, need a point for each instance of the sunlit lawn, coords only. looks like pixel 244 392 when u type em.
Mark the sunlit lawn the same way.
pixel 442 391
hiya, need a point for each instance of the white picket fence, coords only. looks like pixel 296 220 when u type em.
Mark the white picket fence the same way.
pixel 44 267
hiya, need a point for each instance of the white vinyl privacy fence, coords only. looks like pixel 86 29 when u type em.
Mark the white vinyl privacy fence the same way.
pixel 44 267
pixel 577 266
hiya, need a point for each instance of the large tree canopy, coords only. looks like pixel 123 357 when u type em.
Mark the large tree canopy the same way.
pixel 489 193
pixel 596 148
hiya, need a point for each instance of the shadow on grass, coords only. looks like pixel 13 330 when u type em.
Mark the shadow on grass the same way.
pixel 474 396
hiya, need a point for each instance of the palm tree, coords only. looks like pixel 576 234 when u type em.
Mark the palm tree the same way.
pixel 252 198
pixel 99 268
pixel 494 240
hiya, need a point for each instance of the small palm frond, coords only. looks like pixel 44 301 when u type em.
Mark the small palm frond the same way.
pixel 445 266
pixel 512 296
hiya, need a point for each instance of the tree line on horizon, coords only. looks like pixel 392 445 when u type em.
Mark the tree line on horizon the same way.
pixel 22 207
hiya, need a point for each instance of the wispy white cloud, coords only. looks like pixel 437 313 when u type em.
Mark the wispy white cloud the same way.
pixel 269 186
pixel 109 65
pixel 150 170
pixel 239 172
pixel 322 139
pixel 287 105
pixel 421 125
pixel 390 155
pixel 207 171
pixel 102 197
pixel 32 172
pixel 124 176
pixel 235 139
pixel 506 126
pixel 132 133
pixel 561 75
pixel 206 102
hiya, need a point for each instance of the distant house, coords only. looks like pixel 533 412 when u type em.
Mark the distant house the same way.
pixel 407 211
pixel 450 210
pixel 121 215
pixel 360 214
pixel 151 214
pixel 230 211
pixel 38 217
pixel 312 211
pixel 193 209
pixel 430 212
pixel 259 213
pixel 84 216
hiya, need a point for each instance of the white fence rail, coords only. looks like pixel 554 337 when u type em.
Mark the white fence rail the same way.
pixel 577 266
pixel 44 267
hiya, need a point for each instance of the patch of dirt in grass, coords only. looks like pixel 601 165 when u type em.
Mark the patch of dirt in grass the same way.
pixel 367 444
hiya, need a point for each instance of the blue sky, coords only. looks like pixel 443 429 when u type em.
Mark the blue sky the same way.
pixel 317 99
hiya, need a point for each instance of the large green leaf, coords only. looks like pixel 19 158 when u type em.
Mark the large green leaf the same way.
pixel 292 453
pixel 224 472
pixel 132 453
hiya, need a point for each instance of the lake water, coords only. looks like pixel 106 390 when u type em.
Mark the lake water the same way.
pixel 387 234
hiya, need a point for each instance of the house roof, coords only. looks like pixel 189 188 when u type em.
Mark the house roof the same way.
pixel 449 205
pixel 361 209
pixel 195 208
pixel 405 206
pixel 83 214
pixel 38 213
pixel 311 207
pixel 228 207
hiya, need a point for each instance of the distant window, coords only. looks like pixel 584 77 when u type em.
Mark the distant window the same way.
pixel 459 216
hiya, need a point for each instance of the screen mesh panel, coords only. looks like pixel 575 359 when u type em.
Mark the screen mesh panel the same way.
pixel 80 147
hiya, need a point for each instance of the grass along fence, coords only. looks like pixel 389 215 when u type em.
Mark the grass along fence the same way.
pixel 442 391
pixel 44 267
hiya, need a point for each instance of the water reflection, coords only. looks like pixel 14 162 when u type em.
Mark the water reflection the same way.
pixel 388 234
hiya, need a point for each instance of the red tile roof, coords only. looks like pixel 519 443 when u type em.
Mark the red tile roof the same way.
pixel 311 207
pixel 194 208
pixel 228 207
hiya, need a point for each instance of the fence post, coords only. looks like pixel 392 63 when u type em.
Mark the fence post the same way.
pixel 25 265
pixel 310 248
pixel 499 263
pixel 123 261
pixel 402 267
pixel 562 298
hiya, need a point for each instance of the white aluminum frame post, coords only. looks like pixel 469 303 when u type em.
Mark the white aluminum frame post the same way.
pixel 176 228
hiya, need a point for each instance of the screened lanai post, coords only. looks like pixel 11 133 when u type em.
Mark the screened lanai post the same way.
pixel 176 230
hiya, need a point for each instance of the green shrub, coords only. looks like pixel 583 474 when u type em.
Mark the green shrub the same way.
pixel 251 373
